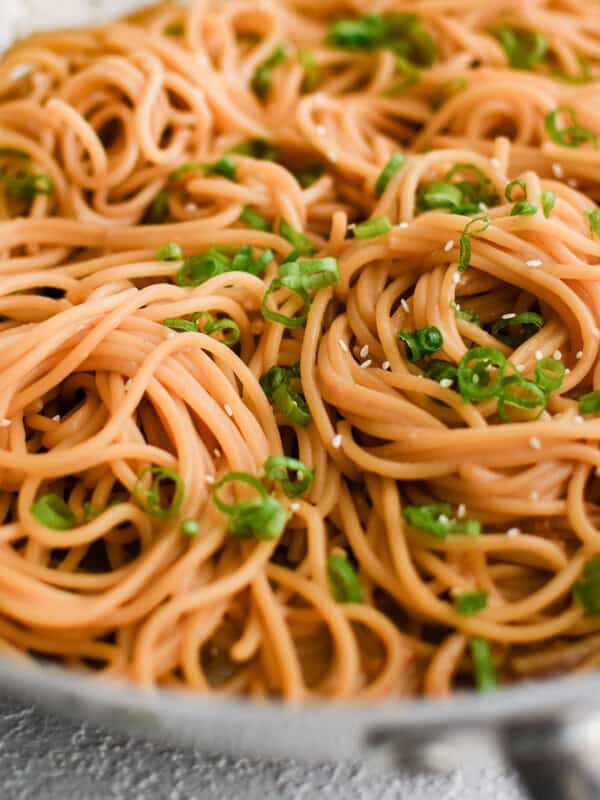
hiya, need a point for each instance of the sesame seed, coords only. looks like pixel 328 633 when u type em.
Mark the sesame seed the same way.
pixel 56 418
pixel 534 495
pixel 228 410
pixel 495 163
pixel 366 363
pixel 343 345
pixel 579 354
pixel 567 371
pixel 461 510
pixel 520 367
pixel 385 365
pixel 364 351
pixel 405 305
pixel 403 225
pixel 578 420
pixel 191 207
pixel 535 443
pixel 336 442
pixel 512 532
pixel 483 206
pixel 446 383
pixel 217 453
pixel 538 355
pixel 557 170
pixel 443 519
pixel 448 246
pixel 210 479
pixel 332 156
pixel 457 306
pixel 456 277
pixel 533 262
pixel 171 334
pixel 295 506
pixel 4 423
pixel 557 355
pixel 510 315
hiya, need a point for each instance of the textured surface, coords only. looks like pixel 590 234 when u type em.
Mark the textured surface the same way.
pixel 43 756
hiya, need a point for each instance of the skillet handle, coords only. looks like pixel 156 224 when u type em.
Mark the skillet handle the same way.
pixel 555 761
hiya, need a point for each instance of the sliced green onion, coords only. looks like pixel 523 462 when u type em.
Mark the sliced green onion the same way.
pixel 185 169
pixel 594 220
pixel 312 74
pixel 309 274
pixel 244 261
pixel 523 209
pixel 483 665
pixel 274 316
pixel 224 167
pixel 515 329
pixel 422 341
pixel 182 325
pixel 344 582
pixel 169 252
pixel 587 590
pixel 278 468
pixel 261 81
pixel 410 75
pixel 524 48
pixel 437 519
pixel 470 229
pixel 27 186
pixel 439 370
pixel 283 387
pixel 465 313
pixel 469 603
pixel 254 220
pixel 590 403
pixel 150 499
pixel 310 175
pixel 13 152
pixel 158 211
pixel 299 241
pixel 219 325
pixel 549 374
pixel 474 373
pixel 372 228
pixel 189 527
pixel 572 135
pixel 52 511
pixel 439 194
pixel 174 29
pixel 195 270
pixel 260 518
pixel 548 201
pixel 395 163
pixel 520 392
pixel 256 148
pixel 89 512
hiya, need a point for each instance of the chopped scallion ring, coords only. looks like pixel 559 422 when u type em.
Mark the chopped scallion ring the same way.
pixel 283 387
pixel 475 373
pixel 52 511
pixel 437 519
pixel 420 342
pixel 261 517
pixel 549 374
pixel 278 468
pixel 169 252
pixel 395 163
pixel 590 403
pixel 516 329
pixel 372 228
pixel 469 603
pixel 548 201
pixel 344 582
pixel 573 134
pixel 150 499
pixel 473 228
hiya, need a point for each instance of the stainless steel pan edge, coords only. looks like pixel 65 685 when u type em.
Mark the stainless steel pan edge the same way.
pixel 549 730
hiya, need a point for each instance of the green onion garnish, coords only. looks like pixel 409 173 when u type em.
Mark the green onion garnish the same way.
pixel 174 29
pixel 344 582
pixel 523 209
pixel 181 325
pixel 261 81
pixel 312 74
pixel 514 329
pixel 440 195
pixel 422 341
pixel 52 511
pixel 298 240
pixel 572 135
pixel 254 220
pixel 439 370
pixel 212 325
pixel 309 274
pixel 310 175
pixel 520 392
pixel 587 590
pixel 474 373
pixel 590 403
pixel 189 527
pixel 460 196
pixel 548 201
pixel 283 387
pixel 549 374
pixel 224 167
pixel 483 665
pixel 465 313
pixel 150 499
pixel 256 148
pixel 278 468
pixel 198 269
pixel 396 162
pixel 185 169
pixel 89 512
pixel 594 220
pixel 27 185
pixel 372 228
pixel 508 191
pixel 282 319
pixel 469 603
pixel 261 518
pixel 158 210
pixel 437 519
pixel 464 251
pixel 524 48
pixel 169 252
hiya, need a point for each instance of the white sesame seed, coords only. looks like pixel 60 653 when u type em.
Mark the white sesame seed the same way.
pixel 557 170
pixel 533 262
pixel 217 453
pixel 366 363
pixel 4 423
pixel 520 367
pixel 534 495
pixel 456 277
pixel 446 383
pixel 210 479
pixel 483 206
pixel 443 519
pixel 295 506
pixel 461 511
pixel 364 351
pixel 510 315
pixel 352 226
pixel 228 410
pixel 332 156
pixel 385 365
pixel 579 354
pixel 448 246
pixel 403 225
pixel 578 420
pixel 405 305
pixel 343 345
pixel 191 207
pixel 457 306
pixel 495 163
pixel 56 418
pixel 171 334
pixel 535 443
pixel 567 371
pixel 513 532
pixel 336 442
pixel 538 355
pixel 557 355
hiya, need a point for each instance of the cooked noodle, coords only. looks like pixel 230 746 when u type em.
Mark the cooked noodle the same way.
pixel 95 389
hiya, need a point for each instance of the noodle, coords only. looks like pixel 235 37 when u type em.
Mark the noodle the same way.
pixel 235 232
